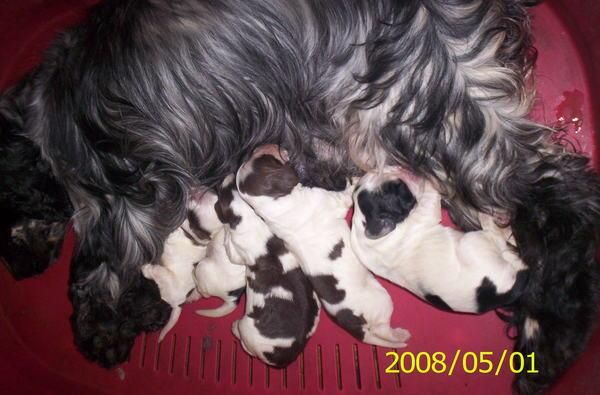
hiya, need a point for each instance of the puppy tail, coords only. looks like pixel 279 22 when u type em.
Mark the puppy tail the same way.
pixel 557 232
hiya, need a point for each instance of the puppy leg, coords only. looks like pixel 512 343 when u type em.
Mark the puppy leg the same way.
pixel 385 336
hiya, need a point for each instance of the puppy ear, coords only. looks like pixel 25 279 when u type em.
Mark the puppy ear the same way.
pixel 148 272
pixel 223 205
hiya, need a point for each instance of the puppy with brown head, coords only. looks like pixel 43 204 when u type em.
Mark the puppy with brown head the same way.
pixel 312 223
pixel 282 310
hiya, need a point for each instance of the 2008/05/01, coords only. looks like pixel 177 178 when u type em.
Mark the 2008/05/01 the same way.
pixel 471 362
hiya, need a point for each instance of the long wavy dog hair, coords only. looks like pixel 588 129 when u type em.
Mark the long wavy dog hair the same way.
pixel 149 98
pixel 35 207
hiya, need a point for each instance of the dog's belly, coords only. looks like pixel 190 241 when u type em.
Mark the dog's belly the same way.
pixel 179 88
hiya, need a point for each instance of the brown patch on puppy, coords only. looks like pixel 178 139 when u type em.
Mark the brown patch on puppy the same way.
pixel 276 246
pixel 268 270
pixel 326 288
pixel 351 323
pixel 274 320
pixel 223 206
pixel 191 238
pixel 337 250
pixel 197 228
pixel 270 178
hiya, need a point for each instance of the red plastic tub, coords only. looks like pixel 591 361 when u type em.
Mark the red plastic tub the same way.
pixel 200 355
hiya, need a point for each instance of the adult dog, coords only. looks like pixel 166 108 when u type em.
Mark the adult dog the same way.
pixel 150 97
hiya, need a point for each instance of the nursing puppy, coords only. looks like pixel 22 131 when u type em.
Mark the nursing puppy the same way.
pixel 312 223
pixel 184 248
pixel 215 275
pixel 282 310
pixel 174 274
pixel 397 233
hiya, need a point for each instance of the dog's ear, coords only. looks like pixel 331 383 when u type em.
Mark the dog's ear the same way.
pixel 385 207
pixel 223 205
pixel 269 177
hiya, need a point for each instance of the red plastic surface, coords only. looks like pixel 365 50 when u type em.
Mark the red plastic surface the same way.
pixel 200 355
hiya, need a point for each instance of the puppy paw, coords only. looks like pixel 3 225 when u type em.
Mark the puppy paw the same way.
pixel 401 335
pixel 385 336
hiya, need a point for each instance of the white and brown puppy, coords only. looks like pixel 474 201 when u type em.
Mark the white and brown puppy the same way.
pixel 397 233
pixel 312 223
pixel 282 310
pixel 173 274
pixel 183 249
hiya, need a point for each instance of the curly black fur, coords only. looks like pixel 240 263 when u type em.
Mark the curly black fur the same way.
pixel 557 231
pixel 105 333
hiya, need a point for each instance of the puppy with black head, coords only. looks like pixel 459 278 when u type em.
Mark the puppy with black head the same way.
pixel 312 223
pixel 397 233
pixel 282 310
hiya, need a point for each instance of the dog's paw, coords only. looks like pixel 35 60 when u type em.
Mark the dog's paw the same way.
pixel 101 334
pixel 106 324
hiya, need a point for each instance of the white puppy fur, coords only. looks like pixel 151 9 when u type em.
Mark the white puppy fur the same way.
pixel 174 274
pixel 184 247
pixel 312 223
pixel 282 311
pixel 215 275
pixel 466 272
